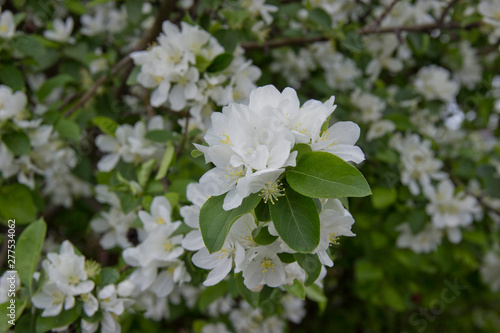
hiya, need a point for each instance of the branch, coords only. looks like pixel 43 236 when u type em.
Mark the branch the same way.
pixel 166 8
pixel 446 10
pixel 298 41
pixel 384 14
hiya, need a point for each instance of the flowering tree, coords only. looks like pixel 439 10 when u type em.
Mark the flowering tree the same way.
pixel 200 165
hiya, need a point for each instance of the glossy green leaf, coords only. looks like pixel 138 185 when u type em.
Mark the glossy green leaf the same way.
pixel 29 247
pixel 215 222
pixel 296 220
pixel 221 62
pixel 311 264
pixel 16 203
pixel 262 236
pixel 324 175
pixel 106 125
pixel 17 142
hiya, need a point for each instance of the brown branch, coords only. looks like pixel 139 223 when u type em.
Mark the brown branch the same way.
pixel 298 41
pixel 446 10
pixel 379 20
pixel 166 8
pixel 293 41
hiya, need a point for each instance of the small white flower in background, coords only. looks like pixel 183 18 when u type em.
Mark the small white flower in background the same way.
pixel 417 158
pixel 114 226
pixel 294 308
pixel 160 214
pixel 11 103
pixel 61 31
pixel 295 67
pixel 7 24
pixel 105 18
pixel 434 82
pixel 90 304
pixel 259 7
pixel 424 241
pixel 129 144
pixel 370 105
pixel 450 211
pixel 490 10
pixel 380 128
pixel 221 306
pixel 490 270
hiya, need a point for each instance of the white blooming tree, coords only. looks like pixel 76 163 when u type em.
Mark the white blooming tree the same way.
pixel 250 166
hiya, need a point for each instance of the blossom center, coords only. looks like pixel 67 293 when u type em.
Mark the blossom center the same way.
pixel 266 265
pixel 271 192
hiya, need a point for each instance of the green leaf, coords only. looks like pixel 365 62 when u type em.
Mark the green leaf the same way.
pixel 286 258
pixel 128 202
pixel 132 78
pixel 196 153
pixel 383 197
pixel 297 289
pixel 417 219
pixel 344 202
pixel 262 236
pixel 144 171
pixel 320 17
pixel 215 222
pixel 301 149
pixel 418 42
pixel 134 10
pixel 202 63
pixel 12 77
pixel 65 318
pixel 29 247
pixel 210 294
pixel 105 124
pixel 311 264
pixel 221 62
pixel 51 84
pixel 109 275
pixel 68 129
pixel 324 175
pixel 28 45
pixel 228 39
pixel 161 136
pixel 251 297
pixel 353 42
pixel 262 212
pixel 20 304
pixel 168 156
pixel 16 203
pixel 315 293
pixel 17 142
pixel 296 220
pixel 75 6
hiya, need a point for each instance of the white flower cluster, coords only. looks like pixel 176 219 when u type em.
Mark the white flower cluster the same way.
pixel 418 162
pixel 106 18
pixel 130 144
pixel 251 145
pixel 69 275
pixel 158 268
pixel 260 264
pixel 113 224
pixel 176 70
pixel 48 156
pixel 434 82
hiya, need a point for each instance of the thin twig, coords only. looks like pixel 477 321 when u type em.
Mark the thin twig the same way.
pixel 297 41
pixel 379 20
pixel 446 10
